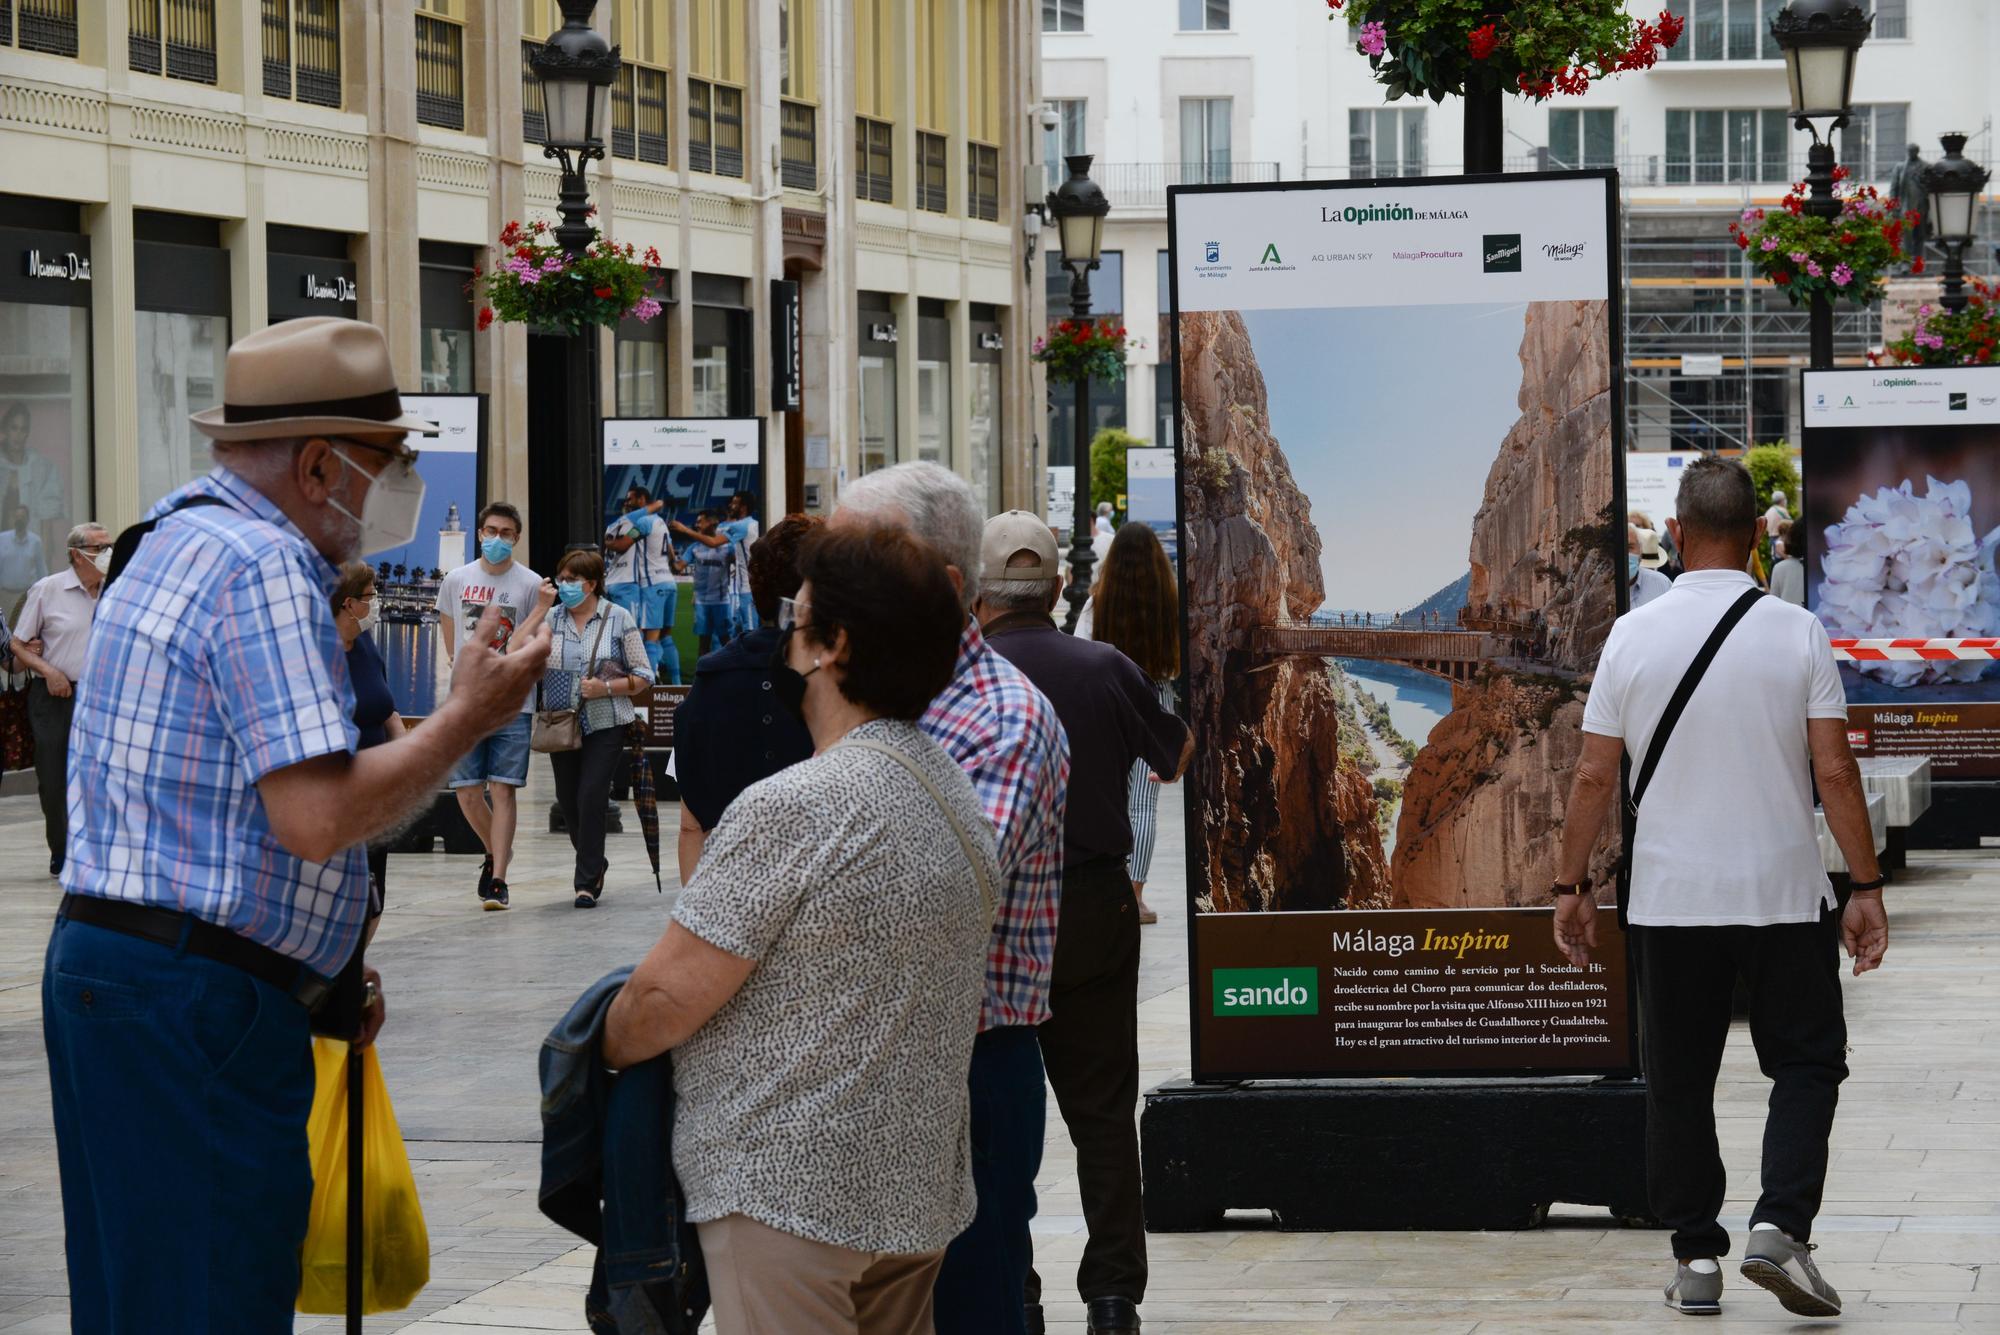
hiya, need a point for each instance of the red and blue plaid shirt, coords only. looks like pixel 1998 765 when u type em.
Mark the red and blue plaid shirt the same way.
pixel 1005 735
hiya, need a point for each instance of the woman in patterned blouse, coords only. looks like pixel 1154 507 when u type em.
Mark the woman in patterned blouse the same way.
pixel 600 647
pixel 820 982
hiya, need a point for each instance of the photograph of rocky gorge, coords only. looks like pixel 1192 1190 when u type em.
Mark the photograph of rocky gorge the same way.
pixel 1400 544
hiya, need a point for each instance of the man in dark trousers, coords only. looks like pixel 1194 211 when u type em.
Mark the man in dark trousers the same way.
pixel 1090 1042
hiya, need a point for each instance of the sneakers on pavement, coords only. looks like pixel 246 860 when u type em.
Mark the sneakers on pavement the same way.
pixel 1696 1288
pixel 1773 1260
pixel 496 897
pixel 486 879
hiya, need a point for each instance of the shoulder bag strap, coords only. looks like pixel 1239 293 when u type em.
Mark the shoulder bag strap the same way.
pixel 1683 692
pixel 986 896
pixel 126 546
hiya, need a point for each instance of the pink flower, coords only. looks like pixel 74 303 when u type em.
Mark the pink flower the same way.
pixel 1812 267
pixel 646 309
pixel 553 264
pixel 1799 257
pixel 1374 39
pixel 1770 243
pixel 1842 275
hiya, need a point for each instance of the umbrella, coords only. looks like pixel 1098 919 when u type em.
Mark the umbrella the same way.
pixel 642 797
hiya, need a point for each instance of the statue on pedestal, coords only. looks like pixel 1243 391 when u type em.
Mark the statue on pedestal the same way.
pixel 1907 185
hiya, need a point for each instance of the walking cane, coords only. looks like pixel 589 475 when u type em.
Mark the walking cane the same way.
pixel 356 1073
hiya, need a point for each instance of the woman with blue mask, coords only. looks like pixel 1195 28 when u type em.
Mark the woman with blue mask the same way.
pixel 597 667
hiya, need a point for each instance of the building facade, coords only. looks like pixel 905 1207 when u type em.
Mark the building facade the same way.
pixel 1192 91
pixel 178 173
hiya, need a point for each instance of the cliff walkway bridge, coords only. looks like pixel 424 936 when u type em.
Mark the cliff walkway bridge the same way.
pixel 1456 655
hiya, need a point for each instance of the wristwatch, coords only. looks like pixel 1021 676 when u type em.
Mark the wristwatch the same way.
pixel 1559 889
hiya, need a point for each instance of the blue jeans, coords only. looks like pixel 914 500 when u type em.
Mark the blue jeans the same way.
pixel 982 1285
pixel 181 1088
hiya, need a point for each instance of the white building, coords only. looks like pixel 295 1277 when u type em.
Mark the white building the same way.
pixel 1178 91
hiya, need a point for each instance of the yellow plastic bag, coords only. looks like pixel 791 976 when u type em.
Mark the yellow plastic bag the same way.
pixel 396 1255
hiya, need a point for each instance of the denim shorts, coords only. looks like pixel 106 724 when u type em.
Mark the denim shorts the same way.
pixel 717 619
pixel 653 606
pixel 501 757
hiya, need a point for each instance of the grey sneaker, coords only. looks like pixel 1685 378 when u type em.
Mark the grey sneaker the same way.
pixel 1773 1260
pixel 1694 1292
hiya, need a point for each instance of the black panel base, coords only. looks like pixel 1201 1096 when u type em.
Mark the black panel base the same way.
pixel 1960 815
pixel 1385 1155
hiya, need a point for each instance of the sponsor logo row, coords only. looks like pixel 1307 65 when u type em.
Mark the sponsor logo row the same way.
pixel 1499 252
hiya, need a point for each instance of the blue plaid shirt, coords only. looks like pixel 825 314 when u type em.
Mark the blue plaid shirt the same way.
pixel 214 661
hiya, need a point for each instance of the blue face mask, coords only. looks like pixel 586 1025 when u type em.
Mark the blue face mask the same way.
pixel 496 550
pixel 570 591
pixel 1631 566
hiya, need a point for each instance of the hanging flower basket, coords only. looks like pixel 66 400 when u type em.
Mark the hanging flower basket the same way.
pixel 539 283
pixel 1078 348
pixel 1944 338
pixel 1436 48
pixel 1846 256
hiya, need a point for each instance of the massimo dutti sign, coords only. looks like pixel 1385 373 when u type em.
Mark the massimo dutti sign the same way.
pixel 311 285
pixel 66 267
pixel 44 268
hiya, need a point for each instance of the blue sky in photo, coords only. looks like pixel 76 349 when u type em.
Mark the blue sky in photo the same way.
pixel 1391 418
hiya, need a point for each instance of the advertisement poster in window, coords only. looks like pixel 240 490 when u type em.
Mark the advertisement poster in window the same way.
pixel 406 578
pixel 1149 496
pixel 1401 527
pixel 683 505
pixel 1901 520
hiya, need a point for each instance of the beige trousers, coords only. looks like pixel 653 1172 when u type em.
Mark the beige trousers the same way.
pixel 768 1282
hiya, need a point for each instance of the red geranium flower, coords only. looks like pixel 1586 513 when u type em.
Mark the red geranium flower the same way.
pixel 1483 40
pixel 1917 265
pixel 1671 26
pixel 485 317
pixel 1781 278
pixel 602 291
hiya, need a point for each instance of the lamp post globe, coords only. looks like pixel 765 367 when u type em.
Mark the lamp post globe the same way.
pixel 1955 183
pixel 1079 208
pixel 1821 40
pixel 576 67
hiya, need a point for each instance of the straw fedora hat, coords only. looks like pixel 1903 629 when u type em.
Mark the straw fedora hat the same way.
pixel 320 375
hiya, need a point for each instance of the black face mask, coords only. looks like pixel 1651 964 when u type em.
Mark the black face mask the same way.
pixel 787 683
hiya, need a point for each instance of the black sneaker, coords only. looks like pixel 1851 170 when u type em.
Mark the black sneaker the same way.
pixel 587 899
pixel 496 898
pixel 486 879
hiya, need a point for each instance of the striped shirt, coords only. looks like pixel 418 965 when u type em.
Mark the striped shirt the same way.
pixel 214 661
pixel 1005 736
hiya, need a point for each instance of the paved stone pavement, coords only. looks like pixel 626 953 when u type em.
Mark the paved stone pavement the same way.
pixel 1911 1233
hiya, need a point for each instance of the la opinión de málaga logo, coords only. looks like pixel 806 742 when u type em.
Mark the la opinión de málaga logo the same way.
pixel 1362 214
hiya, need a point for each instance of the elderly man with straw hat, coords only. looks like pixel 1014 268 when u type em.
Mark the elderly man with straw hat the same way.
pixel 218 808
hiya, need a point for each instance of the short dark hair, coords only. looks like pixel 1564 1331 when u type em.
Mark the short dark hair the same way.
pixel 889 590
pixel 1717 499
pixel 504 511
pixel 710 513
pixel 636 490
pixel 583 563
pixel 774 563
pixel 749 499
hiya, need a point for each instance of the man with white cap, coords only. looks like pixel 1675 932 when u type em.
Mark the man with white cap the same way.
pixel 1090 1041
pixel 218 812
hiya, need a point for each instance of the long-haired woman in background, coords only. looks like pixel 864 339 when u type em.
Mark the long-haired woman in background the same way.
pixel 1135 608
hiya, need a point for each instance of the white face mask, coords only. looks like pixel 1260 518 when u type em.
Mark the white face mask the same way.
pixel 366 623
pixel 388 516
pixel 102 561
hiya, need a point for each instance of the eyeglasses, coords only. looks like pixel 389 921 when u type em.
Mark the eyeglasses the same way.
pixel 91 548
pixel 396 453
pixel 791 613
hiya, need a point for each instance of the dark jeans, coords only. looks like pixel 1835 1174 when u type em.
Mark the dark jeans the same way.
pixel 1090 1044
pixel 583 786
pixel 981 1286
pixel 180 1088
pixel 1686 974
pixel 48 718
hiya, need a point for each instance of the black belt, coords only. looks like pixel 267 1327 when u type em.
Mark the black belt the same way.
pixel 167 927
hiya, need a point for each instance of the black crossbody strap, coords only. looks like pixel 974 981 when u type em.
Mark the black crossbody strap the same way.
pixel 1685 691
pixel 126 546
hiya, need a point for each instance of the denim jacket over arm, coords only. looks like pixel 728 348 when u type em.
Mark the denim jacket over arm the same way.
pixel 608 1176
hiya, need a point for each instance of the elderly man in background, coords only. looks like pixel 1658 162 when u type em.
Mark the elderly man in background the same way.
pixel 1114 718
pixel 50 637
pixel 1727 882
pixel 1644 583
pixel 218 809
pixel 23 561
pixel 1004 733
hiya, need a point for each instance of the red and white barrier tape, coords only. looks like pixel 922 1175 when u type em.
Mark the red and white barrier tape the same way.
pixel 1913 651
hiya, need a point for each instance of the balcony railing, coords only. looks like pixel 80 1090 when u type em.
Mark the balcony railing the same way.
pixel 1140 184
pixel 715 128
pixel 933 151
pixel 982 182
pixel 440 73
pixel 798 138
pixel 48 26
pixel 302 50
pixel 874 160
pixel 534 113
pixel 173 37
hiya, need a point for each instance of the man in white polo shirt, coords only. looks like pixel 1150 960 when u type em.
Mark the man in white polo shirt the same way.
pixel 56 616
pixel 1727 881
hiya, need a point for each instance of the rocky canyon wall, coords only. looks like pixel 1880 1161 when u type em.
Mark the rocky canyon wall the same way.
pixel 1481 823
pixel 1279 822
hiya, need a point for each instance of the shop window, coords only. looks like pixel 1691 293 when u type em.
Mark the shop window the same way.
pixel 45 428
pixel 179 372
pixel 721 370
pixel 878 409
pixel 47 26
pixel 934 382
pixel 984 459
pixel 445 341
pixel 172 37
pixel 302 50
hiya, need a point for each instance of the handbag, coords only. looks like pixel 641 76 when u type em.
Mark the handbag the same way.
pixel 562 729
pixel 1635 792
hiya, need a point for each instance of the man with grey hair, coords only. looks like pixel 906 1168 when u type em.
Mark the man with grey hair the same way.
pixel 1113 716
pixel 1004 734
pixel 215 880
pixel 50 637
pixel 1719 695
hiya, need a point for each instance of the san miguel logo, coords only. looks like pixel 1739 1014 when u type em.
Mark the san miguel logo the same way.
pixel 70 267
pixel 1502 253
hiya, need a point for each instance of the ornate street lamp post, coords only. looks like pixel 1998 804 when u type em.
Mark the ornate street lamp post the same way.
pixel 1821 39
pixel 576 68
pixel 1955 183
pixel 1078 207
